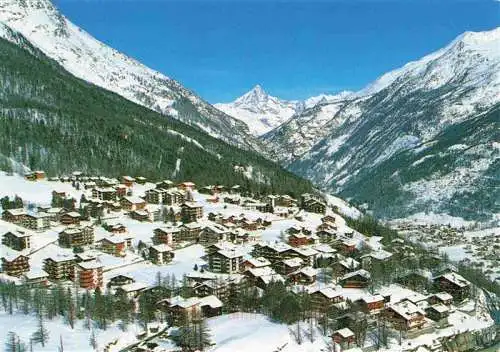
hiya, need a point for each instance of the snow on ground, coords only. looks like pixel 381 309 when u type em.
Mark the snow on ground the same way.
pixel 246 332
pixel 74 340
pixel 344 207
pixel 434 219
pixel 39 192
pixel 145 272
pixel 455 253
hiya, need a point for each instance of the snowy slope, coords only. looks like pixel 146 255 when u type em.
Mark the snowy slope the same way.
pixel 87 58
pixel 260 111
pixel 422 138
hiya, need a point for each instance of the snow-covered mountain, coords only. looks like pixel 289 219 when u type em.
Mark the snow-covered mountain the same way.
pixel 422 138
pixel 260 111
pixel 87 58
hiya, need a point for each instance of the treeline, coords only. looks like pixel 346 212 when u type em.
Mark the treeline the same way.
pixel 52 121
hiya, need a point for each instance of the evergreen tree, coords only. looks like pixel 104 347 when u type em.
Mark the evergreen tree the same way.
pixel 41 335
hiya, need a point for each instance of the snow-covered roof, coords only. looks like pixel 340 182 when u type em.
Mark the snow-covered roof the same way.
pixel 406 309
pixel 19 233
pixel 456 279
pixel 168 229
pixel 211 301
pixel 134 286
pixel 231 253
pixel 90 265
pixel 378 254
pixel 35 274
pixel 73 214
pixel 114 239
pixel 372 298
pixel 293 262
pixel 349 263
pixel 258 262
pixel 308 271
pixel 327 292
pixel 443 296
pixel 440 308
pixel 345 332
pixel 162 248
pixel 307 252
pixel 134 199
pixel 16 212
pixel 360 272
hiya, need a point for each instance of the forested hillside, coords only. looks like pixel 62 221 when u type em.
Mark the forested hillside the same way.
pixel 53 121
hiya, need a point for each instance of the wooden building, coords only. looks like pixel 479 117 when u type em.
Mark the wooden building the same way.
pixel 191 212
pixel 15 264
pixel 71 218
pixel 88 275
pixel 161 254
pixel 59 267
pixel 18 240
pixel 76 236
pixel 356 279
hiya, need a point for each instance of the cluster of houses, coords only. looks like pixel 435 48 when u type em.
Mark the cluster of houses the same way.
pixel 235 256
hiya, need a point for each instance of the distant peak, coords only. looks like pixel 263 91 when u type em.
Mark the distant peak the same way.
pixel 256 95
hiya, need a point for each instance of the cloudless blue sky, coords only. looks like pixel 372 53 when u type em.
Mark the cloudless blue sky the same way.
pixel 294 49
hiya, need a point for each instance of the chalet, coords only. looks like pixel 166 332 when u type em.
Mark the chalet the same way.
pixel 314 206
pixel 18 240
pixel 15 216
pixel 167 235
pixel 161 254
pixel 375 257
pixel 227 261
pixel 274 252
pixel 133 203
pixel 120 280
pixel 165 184
pixel 155 212
pixel 454 284
pixel 186 186
pixel 140 215
pixel 344 337
pixel 249 225
pixel 213 233
pixel 181 309
pixel 211 306
pixel 174 197
pixel 114 245
pixel 285 201
pixel 117 228
pixel 104 193
pixel 71 218
pixel 141 180
pixel 326 235
pixel 372 304
pixel 191 212
pixel 357 279
pixel 76 236
pixel 322 299
pixel 89 185
pixel 190 232
pixel 36 278
pixel 300 239
pixel 15 264
pixel 348 246
pixel 443 298
pixel 121 190
pixel 328 219
pixel 288 266
pixel 59 267
pixel 38 222
pixel 305 276
pixel 88 275
pixel 252 263
pixel 132 290
pixel 55 214
pixel 128 181
pixel 405 315
pixel 345 266
pixel 156 196
pixel 261 277
pixel 326 255
pixel 438 312
pixel 35 176
pixel 232 199
pixel 308 255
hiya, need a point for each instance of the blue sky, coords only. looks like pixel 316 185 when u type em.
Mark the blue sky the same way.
pixel 294 49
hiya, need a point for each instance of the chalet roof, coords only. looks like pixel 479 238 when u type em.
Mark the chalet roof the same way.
pixel 456 279
pixel 293 262
pixel 372 298
pixel 305 251
pixel 162 248
pixel 259 262
pixel 192 205
pixel 114 239
pixel 345 332
pixel 19 233
pixel 141 212
pixel 307 271
pixel 183 302
pixel 231 253
pixel 406 309
pixel 72 214
pixel 90 265
pixel 54 210
pixel 217 228
pixel 35 274
pixel 211 301
pixel 134 200
pixel 328 292
pixel 128 178
pixel 325 248
pixel 361 272
pixel 349 263
pixel 192 225
pixel 58 257
pixel 168 229
pixel 16 212
pixel 443 296
pixel 378 254
pixel 440 308
pixel 134 287
pixel 277 246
